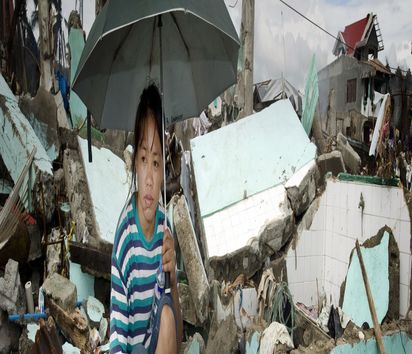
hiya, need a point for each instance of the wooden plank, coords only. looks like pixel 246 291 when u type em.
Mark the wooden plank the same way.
pixel 95 261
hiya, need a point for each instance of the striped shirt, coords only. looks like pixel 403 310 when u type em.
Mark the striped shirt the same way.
pixel 134 264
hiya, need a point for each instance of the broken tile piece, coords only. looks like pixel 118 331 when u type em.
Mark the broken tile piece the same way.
pixel 12 297
pixel 355 302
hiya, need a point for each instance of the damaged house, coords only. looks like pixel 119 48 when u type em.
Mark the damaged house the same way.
pixel 350 88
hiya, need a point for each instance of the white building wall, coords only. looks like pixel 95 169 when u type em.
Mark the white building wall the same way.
pixel 323 252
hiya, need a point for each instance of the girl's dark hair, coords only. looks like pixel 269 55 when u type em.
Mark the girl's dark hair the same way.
pixel 150 103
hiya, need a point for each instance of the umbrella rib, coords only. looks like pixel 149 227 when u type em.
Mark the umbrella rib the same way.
pixel 181 34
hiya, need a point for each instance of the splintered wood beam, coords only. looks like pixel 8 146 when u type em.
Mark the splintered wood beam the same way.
pixel 95 261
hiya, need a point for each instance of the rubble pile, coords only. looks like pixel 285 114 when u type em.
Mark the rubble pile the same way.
pixel 265 221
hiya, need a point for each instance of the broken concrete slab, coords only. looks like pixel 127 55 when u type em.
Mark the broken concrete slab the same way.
pixel 376 256
pixel 270 238
pixel 196 274
pixel 107 169
pixel 61 290
pixel 186 304
pixel 12 297
pixel 350 156
pixel 330 162
pixel 301 187
pixel 16 143
pixel 257 156
pixel 54 251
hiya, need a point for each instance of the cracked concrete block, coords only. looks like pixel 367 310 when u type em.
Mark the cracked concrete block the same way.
pixel 330 162
pixel 95 311
pixel 349 155
pixel 61 290
pixel 196 274
pixel 12 298
pixel 186 304
pixel 301 188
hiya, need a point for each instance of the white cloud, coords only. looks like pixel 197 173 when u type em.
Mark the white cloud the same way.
pixel 303 39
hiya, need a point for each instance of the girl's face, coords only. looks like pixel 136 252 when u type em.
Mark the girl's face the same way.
pixel 149 171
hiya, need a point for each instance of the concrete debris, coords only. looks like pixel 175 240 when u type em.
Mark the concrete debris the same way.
pixel 41 111
pixel 330 162
pixel 106 169
pixel 273 336
pixel 79 197
pixel 198 283
pixel 224 339
pixel 54 252
pixel 270 238
pixel 94 339
pixel 95 311
pixel 349 155
pixel 61 290
pixel 301 188
pixel 16 143
pixel 9 334
pixel 103 328
pixel 195 345
pixel 35 241
pixel 187 305
pixel 12 298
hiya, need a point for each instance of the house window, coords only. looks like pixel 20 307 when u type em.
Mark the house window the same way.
pixel 351 91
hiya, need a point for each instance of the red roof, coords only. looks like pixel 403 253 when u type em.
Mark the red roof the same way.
pixel 353 33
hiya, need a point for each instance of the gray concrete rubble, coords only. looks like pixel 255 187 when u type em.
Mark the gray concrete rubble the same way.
pixel 223 337
pixel 53 252
pixel 301 188
pixel 17 140
pixel 186 304
pixel 330 162
pixel 12 298
pixel 196 274
pixel 350 156
pixel 61 290
pixel 78 194
pixel 9 335
pixel 249 259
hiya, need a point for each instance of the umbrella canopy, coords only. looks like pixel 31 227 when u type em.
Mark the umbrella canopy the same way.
pixel 122 56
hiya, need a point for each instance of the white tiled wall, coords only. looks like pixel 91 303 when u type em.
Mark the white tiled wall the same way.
pixel 332 235
pixel 230 229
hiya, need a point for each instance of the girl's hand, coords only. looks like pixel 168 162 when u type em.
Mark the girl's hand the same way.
pixel 168 257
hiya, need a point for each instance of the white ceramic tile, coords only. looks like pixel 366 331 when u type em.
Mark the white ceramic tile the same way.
pixel 354 224
pixel 404 268
pixel 328 243
pixel 333 193
pixel 405 237
pixel 404 211
pixel 294 275
pixel 330 214
pixel 318 222
pixel 342 200
pixel 403 300
pixel 396 195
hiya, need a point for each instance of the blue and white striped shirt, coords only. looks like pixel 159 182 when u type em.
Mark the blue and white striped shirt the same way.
pixel 134 264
